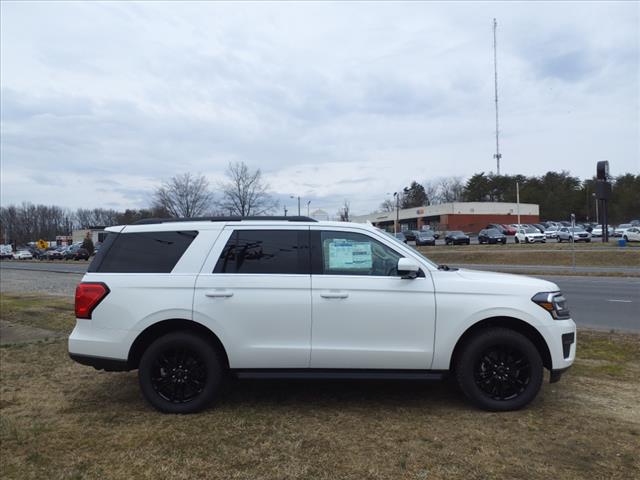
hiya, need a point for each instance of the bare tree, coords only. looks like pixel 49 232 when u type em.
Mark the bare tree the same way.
pixel 432 191
pixel 184 195
pixel 451 189
pixel 387 206
pixel 345 211
pixel 245 193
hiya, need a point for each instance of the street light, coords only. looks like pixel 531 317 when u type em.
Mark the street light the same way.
pixel 308 203
pixel 397 225
pixel 298 197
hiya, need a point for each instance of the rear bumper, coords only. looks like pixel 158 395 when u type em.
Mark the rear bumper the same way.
pixel 101 363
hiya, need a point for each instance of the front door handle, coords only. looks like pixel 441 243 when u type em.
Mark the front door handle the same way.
pixel 334 295
pixel 219 294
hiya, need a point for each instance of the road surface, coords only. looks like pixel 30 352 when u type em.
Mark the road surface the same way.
pixel 597 302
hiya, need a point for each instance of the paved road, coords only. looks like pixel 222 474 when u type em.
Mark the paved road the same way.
pixel 546 268
pixel 602 302
pixel 599 302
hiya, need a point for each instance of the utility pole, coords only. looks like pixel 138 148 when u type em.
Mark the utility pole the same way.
pixel 397 226
pixel 518 200
pixel 496 155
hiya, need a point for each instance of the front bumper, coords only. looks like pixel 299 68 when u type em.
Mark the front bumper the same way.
pixel 561 338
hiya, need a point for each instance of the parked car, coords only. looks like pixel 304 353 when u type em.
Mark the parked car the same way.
pixel 579 234
pixel 540 227
pixel 410 235
pixel 530 235
pixel 401 237
pixel 76 252
pixel 509 230
pixel 456 237
pixel 22 255
pixel 620 229
pixel 551 232
pixel 425 238
pixel 491 235
pixel 632 234
pixel 52 254
pixel 597 231
pixel 428 229
pixel 228 298
pixel 496 226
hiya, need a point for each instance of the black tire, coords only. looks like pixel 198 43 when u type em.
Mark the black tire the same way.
pixel 588 240
pixel 197 368
pixel 559 240
pixel 517 240
pixel 499 370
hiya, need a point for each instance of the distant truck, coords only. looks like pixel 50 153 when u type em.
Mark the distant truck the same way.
pixel 6 251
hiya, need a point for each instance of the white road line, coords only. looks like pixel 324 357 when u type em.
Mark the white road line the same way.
pixel 621 301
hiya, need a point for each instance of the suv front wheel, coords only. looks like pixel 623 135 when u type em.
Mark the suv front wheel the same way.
pixel 500 370
pixel 180 373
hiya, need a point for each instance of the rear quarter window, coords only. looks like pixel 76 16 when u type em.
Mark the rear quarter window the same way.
pixel 142 252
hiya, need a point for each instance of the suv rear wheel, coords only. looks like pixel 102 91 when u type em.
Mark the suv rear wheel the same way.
pixel 180 373
pixel 499 370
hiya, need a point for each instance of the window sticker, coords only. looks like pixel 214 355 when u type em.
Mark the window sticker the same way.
pixel 349 255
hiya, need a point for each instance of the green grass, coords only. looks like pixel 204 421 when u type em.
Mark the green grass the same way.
pixel 50 312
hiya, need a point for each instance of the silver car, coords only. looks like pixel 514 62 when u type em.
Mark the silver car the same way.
pixel 579 234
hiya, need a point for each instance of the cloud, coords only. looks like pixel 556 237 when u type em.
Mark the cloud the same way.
pixel 332 101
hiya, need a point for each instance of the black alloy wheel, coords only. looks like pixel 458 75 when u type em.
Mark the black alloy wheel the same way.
pixel 499 369
pixel 502 372
pixel 180 373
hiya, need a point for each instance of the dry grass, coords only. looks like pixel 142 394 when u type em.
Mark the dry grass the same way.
pixel 533 255
pixel 61 420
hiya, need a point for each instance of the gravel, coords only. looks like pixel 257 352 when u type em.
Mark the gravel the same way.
pixel 27 281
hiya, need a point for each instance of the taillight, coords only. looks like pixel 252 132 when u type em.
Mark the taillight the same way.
pixel 88 296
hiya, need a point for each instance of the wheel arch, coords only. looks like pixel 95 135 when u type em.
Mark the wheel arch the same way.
pixel 511 323
pixel 155 331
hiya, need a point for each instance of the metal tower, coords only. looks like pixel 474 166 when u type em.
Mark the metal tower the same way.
pixel 496 155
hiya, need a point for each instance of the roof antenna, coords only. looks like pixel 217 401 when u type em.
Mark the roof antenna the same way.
pixel 496 155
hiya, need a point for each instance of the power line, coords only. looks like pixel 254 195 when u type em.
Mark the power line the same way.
pixel 496 155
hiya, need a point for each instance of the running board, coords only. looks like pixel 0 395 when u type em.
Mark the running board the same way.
pixel 338 374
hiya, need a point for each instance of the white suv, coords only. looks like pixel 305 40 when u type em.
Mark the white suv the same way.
pixel 189 303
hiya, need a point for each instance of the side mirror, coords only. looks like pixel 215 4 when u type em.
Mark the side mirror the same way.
pixel 407 268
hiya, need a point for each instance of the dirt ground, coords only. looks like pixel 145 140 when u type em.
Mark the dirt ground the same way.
pixel 59 419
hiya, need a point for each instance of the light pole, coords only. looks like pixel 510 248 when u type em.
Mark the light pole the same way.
pixel 397 225
pixel 596 202
pixel 308 203
pixel 298 197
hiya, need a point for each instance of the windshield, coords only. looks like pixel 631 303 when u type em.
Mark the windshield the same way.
pixel 493 231
pixel 530 230
pixel 456 232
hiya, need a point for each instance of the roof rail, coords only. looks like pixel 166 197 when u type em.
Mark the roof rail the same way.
pixel 236 218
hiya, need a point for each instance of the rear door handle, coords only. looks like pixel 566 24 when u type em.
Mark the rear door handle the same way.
pixel 334 295
pixel 219 294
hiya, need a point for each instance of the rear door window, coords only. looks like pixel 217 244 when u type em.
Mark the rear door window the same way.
pixel 265 252
pixel 142 252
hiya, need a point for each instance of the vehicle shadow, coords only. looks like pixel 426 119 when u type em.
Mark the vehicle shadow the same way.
pixel 120 391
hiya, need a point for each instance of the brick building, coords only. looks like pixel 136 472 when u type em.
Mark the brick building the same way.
pixel 469 217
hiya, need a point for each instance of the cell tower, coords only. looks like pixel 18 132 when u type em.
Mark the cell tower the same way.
pixel 496 155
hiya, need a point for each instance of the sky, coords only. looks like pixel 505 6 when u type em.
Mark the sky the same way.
pixel 101 102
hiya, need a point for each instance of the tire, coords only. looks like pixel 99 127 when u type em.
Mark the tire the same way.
pixel 588 240
pixel 198 373
pixel 507 352
pixel 526 240
pixel 559 240
pixel 517 240
pixel 626 239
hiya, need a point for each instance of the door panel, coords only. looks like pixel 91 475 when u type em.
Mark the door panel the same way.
pixel 258 301
pixel 372 319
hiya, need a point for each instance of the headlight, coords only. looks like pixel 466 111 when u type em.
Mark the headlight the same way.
pixel 554 303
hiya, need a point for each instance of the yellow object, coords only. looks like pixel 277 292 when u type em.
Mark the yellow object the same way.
pixel 42 244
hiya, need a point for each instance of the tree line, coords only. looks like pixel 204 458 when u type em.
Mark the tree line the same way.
pixel 243 193
pixel 559 194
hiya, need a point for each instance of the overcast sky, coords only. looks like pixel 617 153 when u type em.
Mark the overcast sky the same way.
pixel 333 101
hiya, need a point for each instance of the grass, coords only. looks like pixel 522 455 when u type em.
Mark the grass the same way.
pixel 62 420
pixel 533 255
